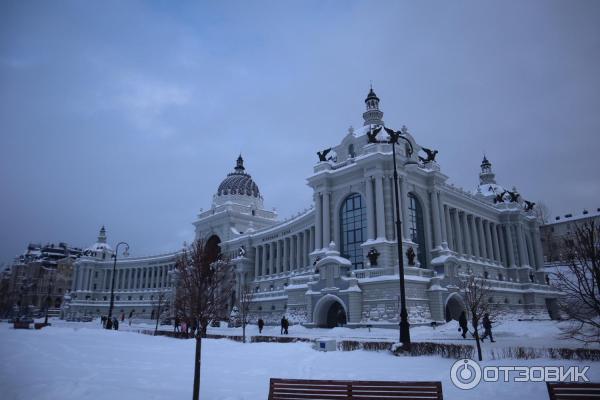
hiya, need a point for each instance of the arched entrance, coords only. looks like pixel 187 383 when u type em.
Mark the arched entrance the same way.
pixel 336 316
pixel 330 312
pixel 455 305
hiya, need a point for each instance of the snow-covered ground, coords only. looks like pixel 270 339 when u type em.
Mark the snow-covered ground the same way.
pixel 82 361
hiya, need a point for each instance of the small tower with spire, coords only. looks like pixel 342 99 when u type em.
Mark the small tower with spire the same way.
pixel 486 176
pixel 239 165
pixel 373 116
pixel 102 235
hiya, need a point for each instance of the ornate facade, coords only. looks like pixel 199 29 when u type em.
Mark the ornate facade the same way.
pixel 337 261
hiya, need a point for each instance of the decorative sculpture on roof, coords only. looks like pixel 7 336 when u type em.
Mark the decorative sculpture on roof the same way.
pixel 430 155
pixel 372 135
pixel 499 197
pixel 323 154
pixel 393 135
pixel 514 196
pixel 242 251
pixel 529 205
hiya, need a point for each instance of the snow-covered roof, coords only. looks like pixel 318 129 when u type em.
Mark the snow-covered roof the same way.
pixel 575 217
pixel 99 247
pixel 488 189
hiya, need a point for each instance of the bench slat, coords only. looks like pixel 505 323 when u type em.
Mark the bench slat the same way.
pixel 573 391
pixel 301 389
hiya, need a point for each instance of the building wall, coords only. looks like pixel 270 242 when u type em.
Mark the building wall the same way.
pixel 284 261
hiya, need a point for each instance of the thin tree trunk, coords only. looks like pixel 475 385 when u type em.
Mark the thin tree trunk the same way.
pixel 475 324
pixel 479 355
pixel 243 326
pixel 197 367
pixel 157 317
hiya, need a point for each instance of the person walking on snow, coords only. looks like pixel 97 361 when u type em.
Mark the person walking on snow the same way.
pixel 462 321
pixel 282 325
pixel 487 328
pixel 286 325
pixel 115 324
pixel 261 325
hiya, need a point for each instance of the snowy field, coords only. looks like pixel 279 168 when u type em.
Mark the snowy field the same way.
pixel 82 361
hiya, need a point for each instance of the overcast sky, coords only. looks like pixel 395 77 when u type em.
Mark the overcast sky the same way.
pixel 129 114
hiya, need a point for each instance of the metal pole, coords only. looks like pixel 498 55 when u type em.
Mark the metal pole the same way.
pixel 404 325
pixel 112 284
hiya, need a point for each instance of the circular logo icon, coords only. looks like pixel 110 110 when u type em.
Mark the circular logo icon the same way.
pixel 465 374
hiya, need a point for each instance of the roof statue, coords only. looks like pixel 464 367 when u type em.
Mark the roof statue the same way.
pixel 323 154
pixel 514 196
pixel 529 205
pixel 372 135
pixel 430 155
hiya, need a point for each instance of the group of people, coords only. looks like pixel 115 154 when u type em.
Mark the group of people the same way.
pixel 184 326
pixel 110 323
pixel 285 324
pixel 486 322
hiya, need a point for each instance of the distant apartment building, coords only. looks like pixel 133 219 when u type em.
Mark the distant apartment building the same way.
pixel 561 228
pixel 37 278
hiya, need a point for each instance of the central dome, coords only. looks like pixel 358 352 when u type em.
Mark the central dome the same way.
pixel 238 182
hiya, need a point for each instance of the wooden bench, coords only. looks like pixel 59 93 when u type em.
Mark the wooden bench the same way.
pixel 288 389
pixel 573 391
pixel 21 325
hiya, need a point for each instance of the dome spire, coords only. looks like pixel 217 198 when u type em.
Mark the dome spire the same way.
pixel 102 235
pixel 373 116
pixel 239 166
pixel 486 176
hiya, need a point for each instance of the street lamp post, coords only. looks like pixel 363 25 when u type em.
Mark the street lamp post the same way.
pixel 404 325
pixel 112 284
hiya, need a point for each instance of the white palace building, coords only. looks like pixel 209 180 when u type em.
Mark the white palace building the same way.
pixel 337 262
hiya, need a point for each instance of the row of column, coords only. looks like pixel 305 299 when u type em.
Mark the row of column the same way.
pixel 283 255
pixel 465 233
pixel 375 208
pixel 125 279
pixel 375 204
pixel 474 236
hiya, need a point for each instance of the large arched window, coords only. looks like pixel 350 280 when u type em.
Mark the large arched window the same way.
pixel 213 248
pixel 416 227
pixel 353 220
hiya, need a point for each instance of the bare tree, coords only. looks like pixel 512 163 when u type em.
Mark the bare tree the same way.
pixel 245 298
pixel 204 283
pixel 160 307
pixel 579 280
pixel 476 292
pixel 542 212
